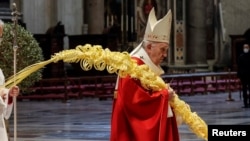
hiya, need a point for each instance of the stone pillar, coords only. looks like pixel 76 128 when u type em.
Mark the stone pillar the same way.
pixel 94 16
pixel 179 32
pixel 51 7
pixel 70 13
pixel 39 15
pixel 196 33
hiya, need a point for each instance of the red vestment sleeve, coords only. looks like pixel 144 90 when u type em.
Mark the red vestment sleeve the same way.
pixel 139 115
pixel 10 100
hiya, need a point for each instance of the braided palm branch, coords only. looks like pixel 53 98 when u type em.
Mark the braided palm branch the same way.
pixel 121 64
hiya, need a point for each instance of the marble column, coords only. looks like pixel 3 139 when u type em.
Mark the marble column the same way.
pixel 39 15
pixel 94 11
pixel 70 13
pixel 196 33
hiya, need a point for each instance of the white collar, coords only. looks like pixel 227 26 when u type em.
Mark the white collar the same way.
pixel 141 54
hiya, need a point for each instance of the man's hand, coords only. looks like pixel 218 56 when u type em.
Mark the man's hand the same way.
pixel 171 93
pixel 14 91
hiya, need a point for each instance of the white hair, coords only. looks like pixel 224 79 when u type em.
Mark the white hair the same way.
pixel 1 22
pixel 146 43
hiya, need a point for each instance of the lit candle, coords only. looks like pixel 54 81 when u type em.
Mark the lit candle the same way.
pixel 135 24
pixel 107 21
pixel 132 25
pixel 135 16
pixel 126 22
pixel 112 19
pixel 121 22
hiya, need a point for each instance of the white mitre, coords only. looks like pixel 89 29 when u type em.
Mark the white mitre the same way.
pixel 2 103
pixel 156 31
pixel 2 78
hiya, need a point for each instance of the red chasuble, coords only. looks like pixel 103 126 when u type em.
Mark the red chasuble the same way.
pixel 141 115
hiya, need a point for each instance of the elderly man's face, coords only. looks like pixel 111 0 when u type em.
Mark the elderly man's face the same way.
pixel 157 52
